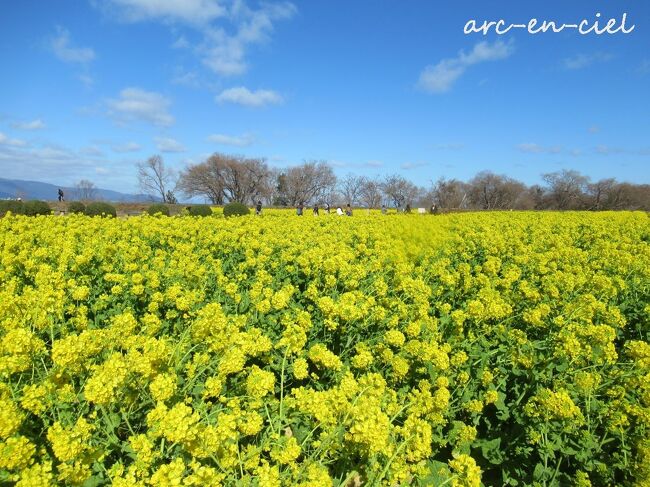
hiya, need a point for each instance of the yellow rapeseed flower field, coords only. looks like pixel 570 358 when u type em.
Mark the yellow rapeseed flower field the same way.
pixel 463 349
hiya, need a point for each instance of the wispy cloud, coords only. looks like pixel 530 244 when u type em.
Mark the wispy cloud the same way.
pixel 413 165
pixel 243 96
pixel 4 140
pixel 581 61
pixel 532 148
pixel 235 140
pixel 606 150
pixel 227 29
pixel 197 12
pixel 225 53
pixel 62 163
pixel 31 125
pixel 126 148
pixel 374 163
pixel 167 144
pixel 644 67
pixel 87 80
pixel 91 150
pixel 594 129
pixel 190 79
pixel 181 43
pixel 62 48
pixel 135 104
pixel 440 78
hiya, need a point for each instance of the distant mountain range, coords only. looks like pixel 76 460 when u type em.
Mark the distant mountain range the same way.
pixel 36 190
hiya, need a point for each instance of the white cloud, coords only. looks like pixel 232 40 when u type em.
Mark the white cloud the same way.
pixel 374 164
pixel 87 80
pixel 91 150
pixel 243 96
pixel 441 77
pixel 532 148
pixel 167 144
pixel 594 129
pixel 102 170
pixel 62 49
pixel 186 78
pixel 65 165
pixel 181 43
pixel 32 125
pixel 128 147
pixel 413 165
pixel 235 140
pixel 606 150
pixel 224 45
pixel 135 104
pixel 581 61
pixel 186 11
pixel 4 140
pixel 224 53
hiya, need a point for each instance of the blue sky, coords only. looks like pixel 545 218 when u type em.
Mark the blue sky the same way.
pixel 89 88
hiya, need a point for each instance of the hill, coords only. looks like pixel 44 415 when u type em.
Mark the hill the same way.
pixel 36 190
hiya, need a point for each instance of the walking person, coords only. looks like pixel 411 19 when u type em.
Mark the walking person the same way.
pixel 258 208
pixel 299 209
pixel 61 198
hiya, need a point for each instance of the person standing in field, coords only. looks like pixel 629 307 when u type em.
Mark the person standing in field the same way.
pixel 258 208
pixel 348 210
pixel 61 198
pixel 316 210
pixel 327 208
pixel 299 209
pixel 339 211
pixel 383 209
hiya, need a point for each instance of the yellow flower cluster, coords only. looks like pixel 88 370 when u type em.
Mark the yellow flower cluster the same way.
pixel 378 350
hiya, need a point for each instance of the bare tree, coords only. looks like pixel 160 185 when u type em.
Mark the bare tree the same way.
pixel 566 188
pixel 489 191
pixel 85 190
pixel 398 190
pixel 531 198
pixel 350 188
pixel 154 178
pixel 245 180
pixel 450 193
pixel 227 178
pixel 371 194
pixel 309 182
pixel 602 194
pixel 204 179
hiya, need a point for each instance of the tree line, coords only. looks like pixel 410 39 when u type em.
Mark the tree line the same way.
pixel 223 178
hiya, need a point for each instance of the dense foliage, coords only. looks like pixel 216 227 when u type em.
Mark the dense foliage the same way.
pixel 158 208
pixel 76 207
pixel 504 348
pixel 16 207
pixel 200 210
pixel 235 209
pixel 36 207
pixel 99 208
